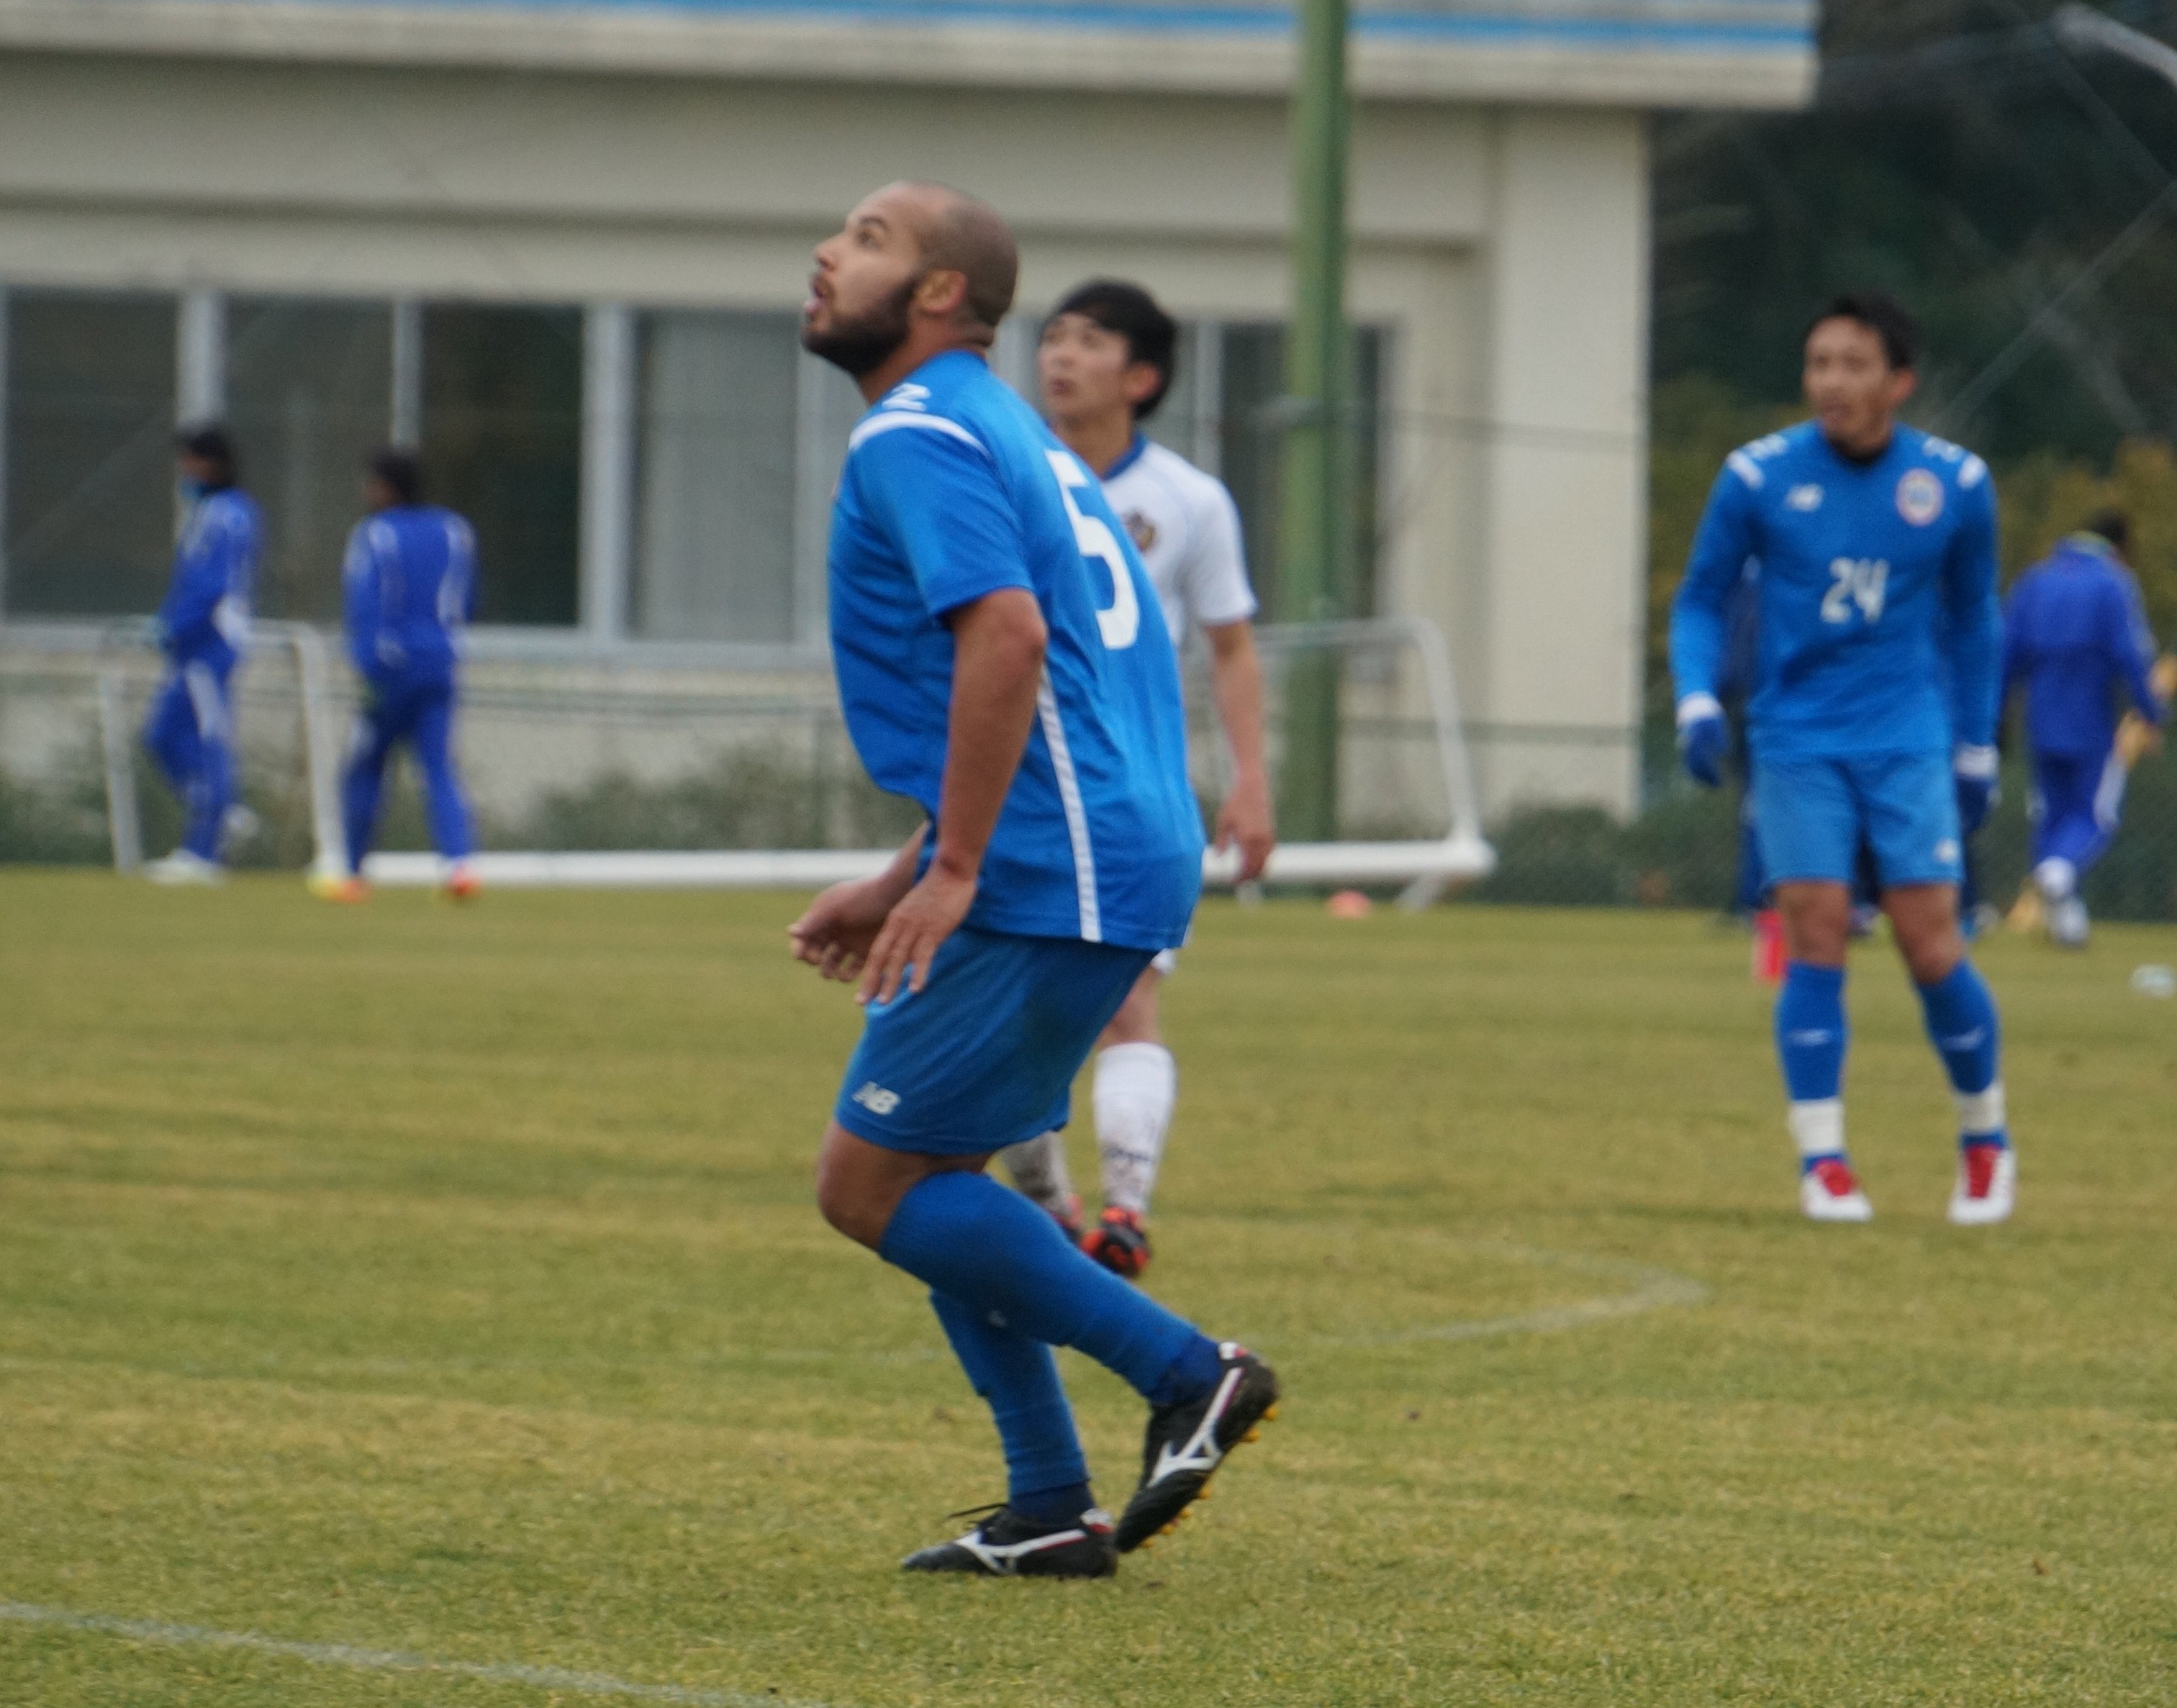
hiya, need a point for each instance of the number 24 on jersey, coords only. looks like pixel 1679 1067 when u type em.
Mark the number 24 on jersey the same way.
pixel 1856 581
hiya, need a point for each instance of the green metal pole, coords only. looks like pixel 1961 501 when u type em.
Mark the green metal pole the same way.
pixel 1312 533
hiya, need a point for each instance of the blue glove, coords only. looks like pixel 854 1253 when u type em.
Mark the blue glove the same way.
pixel 1703 740
pixel 1975 769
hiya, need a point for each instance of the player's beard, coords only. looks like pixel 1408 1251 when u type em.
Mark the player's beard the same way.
pixel 865 344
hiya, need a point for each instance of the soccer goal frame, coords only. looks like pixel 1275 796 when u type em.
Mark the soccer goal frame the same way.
pixel 319 742
pixel 1425 868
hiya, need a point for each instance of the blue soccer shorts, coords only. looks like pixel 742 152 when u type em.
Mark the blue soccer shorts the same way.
pixel 1813 815
pixel 984 1055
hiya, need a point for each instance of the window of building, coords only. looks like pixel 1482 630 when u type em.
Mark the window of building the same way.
pixel 1250 443
pixel 715 519
pixel 502 444
pixel 89 478
pixel 309 388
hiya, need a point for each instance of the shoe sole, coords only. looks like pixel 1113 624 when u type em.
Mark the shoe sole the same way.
pixel 1200 1491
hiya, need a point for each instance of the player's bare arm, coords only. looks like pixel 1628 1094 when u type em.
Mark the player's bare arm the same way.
pixel 1247 820
pixel 998 645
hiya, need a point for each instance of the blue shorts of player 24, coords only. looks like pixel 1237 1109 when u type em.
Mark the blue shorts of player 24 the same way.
pixel 984 1055
pixel 1813 816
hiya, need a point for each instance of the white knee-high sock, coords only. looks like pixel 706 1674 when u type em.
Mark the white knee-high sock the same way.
pixel 1136 1085
pixel 1037 1167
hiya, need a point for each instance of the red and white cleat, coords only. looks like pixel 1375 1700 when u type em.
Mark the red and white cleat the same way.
pixel 1986 1191
pixel 1829 1192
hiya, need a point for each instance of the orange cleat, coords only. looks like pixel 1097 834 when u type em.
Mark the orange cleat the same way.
pixel 349 891
pixel 462 884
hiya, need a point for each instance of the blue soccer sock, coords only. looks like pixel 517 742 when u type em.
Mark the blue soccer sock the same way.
pixel 1811 1036
pixel 1045 1468
pixel 988 1247
pixel 1968 1035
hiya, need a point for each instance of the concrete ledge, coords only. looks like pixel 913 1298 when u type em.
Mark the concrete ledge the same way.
pixel 1670 53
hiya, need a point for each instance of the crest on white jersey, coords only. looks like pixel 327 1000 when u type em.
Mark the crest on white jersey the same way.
pixel 1140 530
pixel 1919 497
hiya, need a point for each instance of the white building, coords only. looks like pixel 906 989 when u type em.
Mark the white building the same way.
pixel 562 248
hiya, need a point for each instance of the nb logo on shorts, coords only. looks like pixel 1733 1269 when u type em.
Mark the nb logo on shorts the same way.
pixel 1947 851
pixel 876 1099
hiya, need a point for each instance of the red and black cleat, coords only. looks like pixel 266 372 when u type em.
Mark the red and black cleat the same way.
pixel 1120 1242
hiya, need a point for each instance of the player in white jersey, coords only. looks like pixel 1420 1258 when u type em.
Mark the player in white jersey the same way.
pixel 1105 361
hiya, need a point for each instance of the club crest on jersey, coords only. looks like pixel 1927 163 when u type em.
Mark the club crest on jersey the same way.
pixel 1919 497
pixel 1140 530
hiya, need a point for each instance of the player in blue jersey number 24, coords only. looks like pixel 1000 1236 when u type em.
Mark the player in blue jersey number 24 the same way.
pixel 1001 663
pixel 1872 721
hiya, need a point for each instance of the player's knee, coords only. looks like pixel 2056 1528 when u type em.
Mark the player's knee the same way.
pixel 1932 955
pixel 1817 923
pixel 847 1197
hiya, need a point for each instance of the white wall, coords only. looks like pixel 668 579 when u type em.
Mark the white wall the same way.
pixel 1506 248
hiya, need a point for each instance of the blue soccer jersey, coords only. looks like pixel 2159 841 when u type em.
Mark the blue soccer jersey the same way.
pixel 953 490
pixel 2074 629
pixel 410 585
pixel 1879 627
pixel 206 613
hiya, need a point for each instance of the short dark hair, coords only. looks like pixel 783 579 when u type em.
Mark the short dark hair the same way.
pixel 208 441
pixel 2112 524
pixel 400 470
pixel 1881 314
pixel 1152 335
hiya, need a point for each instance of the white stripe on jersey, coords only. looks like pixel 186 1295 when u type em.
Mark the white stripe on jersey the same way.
pixel 1076 813
pixel 1187 528
pixel 889 420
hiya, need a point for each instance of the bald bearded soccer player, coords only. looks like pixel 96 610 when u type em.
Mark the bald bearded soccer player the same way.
pixel 1000 663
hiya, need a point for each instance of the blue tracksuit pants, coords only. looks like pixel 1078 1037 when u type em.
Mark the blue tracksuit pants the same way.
pixel 2077 803
pixel 190 732
pixel 421 715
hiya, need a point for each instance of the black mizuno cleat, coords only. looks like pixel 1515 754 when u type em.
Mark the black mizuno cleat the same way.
pixel 1187 1442
pixel 1005 1545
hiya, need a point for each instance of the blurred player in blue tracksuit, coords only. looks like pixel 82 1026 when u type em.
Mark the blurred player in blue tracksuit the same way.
pixel 1873 722
pixel 2074 632
pixel 203 627
pixel 411 586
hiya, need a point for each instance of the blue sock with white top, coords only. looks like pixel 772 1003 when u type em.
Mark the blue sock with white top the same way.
pixel 1811 1036
pixel 1968 1035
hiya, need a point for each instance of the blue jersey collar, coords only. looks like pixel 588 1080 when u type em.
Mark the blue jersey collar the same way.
pixel 1127 458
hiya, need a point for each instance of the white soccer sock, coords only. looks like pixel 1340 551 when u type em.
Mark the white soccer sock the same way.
pixel 1818 1127
pixel 1136 1085
pixel 1037 1167
pixel 2056 877
pixel 1981 1115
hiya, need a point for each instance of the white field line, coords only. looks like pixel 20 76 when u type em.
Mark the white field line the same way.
pixel 386 1660
pixel 1651 1289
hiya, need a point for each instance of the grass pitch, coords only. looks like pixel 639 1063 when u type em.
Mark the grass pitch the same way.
pixel 446 1282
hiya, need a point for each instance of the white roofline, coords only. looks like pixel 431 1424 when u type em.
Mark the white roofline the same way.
pixel 1008 51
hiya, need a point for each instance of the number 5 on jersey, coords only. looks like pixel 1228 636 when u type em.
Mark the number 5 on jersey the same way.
pixel 1122 620
pixel 1861 581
